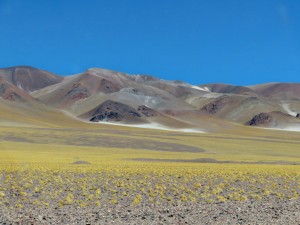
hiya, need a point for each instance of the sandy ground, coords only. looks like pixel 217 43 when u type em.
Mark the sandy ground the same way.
pixel 289 128
pixel 292 128
pixel 267 211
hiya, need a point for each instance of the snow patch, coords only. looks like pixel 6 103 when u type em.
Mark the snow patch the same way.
pixel 212 95
pixel 286 107
pixel 200 88
pixel 19 86
pixel 155 126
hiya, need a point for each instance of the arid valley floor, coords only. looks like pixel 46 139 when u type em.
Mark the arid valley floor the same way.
pixel 102 174
pixel 225 155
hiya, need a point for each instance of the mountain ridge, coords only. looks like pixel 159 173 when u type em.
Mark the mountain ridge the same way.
pixel 101 95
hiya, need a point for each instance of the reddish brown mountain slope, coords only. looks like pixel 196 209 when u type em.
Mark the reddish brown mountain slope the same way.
pixel 29 78
pixel 12 93
pixel 278 90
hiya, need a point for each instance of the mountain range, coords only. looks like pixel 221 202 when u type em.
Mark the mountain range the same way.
pixel 33 96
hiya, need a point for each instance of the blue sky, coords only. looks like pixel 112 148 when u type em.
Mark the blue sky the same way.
pixel 232 41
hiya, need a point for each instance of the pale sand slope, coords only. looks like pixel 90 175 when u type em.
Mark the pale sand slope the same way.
pixel 155 126
pixel 288 128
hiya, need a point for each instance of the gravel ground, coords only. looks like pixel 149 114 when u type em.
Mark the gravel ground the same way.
pixel 266 211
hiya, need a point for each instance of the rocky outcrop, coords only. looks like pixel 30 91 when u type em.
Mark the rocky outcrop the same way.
pixel 146 111
pixel 260 119
pixel 113 111
pixel 107 116
pixel 213 107
pixel 116 111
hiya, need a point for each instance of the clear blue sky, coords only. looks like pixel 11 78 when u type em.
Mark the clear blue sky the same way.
pixel 232 41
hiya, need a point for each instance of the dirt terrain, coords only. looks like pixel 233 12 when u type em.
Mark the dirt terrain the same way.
pixel 266 212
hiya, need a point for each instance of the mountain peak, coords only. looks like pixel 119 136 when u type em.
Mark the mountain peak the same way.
pixel 29 78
